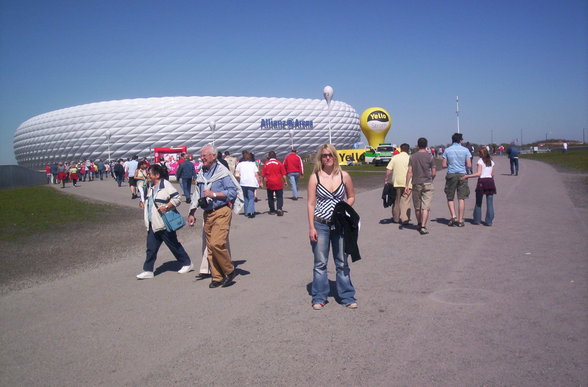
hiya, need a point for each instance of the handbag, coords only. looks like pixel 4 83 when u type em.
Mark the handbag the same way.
pixel 173 220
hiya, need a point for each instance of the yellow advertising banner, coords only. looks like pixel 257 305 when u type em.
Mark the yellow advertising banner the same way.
pixel 347 156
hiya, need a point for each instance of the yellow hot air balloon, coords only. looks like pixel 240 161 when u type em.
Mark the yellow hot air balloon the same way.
pixel 375 123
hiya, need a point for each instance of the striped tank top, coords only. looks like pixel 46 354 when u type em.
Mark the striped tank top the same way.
pixel 326 200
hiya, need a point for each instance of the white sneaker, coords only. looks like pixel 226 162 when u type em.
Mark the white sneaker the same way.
pixel 145 275
pixel 185 269
pixel 353 305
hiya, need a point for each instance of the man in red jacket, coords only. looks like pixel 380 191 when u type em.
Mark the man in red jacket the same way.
pixel 294 169
pixel 274 175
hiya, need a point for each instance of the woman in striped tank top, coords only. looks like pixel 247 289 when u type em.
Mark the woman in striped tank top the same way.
pixel 327 186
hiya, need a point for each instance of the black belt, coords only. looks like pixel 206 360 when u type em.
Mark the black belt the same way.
pixel 322 220
pixel 215 209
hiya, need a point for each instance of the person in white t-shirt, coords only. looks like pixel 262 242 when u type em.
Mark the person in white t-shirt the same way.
pixel 484 187
pixel 248 174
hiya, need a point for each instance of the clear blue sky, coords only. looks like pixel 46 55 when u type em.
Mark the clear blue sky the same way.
pixel 516 65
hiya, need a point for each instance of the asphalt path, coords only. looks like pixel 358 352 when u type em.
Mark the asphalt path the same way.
pixel 500 305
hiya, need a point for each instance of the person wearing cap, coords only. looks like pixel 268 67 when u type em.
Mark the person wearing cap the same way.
pixel 294 170
pixel 457 160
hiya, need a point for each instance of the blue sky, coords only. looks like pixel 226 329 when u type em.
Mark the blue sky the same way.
pixel 517 66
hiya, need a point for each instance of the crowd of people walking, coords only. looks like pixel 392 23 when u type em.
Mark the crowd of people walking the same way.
pixel 220 185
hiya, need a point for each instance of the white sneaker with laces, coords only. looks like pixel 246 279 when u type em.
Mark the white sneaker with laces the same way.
pixel 185 269
pixel 145 275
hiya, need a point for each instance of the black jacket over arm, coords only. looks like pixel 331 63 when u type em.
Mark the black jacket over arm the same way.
pixel 346 222
pixel 388 195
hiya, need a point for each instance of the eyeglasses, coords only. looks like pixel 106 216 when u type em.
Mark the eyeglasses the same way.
pixel 325 155
pixel 206 155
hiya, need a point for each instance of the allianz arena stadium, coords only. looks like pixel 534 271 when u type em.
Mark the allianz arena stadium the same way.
pixel 122 128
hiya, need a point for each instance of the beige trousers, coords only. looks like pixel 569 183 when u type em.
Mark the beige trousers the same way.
pixel 216 231
pixel 401 209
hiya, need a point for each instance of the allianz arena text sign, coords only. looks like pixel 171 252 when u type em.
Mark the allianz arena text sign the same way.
pixel 286 124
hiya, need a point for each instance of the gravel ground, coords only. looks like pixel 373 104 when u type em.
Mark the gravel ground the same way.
pixel 70 249
pixel 473 306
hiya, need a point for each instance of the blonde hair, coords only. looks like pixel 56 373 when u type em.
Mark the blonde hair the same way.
pixel 318 160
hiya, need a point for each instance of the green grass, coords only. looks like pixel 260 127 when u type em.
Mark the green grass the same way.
pixel 354 171
pixel 572 159
pixel 29 210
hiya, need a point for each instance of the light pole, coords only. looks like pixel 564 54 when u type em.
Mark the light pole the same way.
pixel 291 138
pixel 108 142
pixel 328 94
pixel 457 111
pixel 212 125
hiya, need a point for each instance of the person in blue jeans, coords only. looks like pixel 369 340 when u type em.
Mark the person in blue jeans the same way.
pixel 484 187
pixel 248 174
pixel 327 186
pixel 185 174
pixel 513 155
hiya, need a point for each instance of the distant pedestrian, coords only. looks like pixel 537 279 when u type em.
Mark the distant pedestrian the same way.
pixel 141 179
pixel 457 160
pixel 101 168
pixel 162 197
pixel 513 155
pixel 295 170
pixel 565 147
pixel 119 172
pixel 61 174
pixel 54 172
pixel 48 173
pixel 185 175
pixel 421 173
pixel 231 162
pixel 73 174
pixel 398 167
pixel 327 186
pixel 485 187
pixel 130 171
pixel 274 175
pixel 249 179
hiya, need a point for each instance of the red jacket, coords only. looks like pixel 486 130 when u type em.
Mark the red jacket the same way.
pixel 273 171
pixel 293 163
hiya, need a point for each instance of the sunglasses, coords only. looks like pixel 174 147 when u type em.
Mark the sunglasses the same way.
pixel 326 155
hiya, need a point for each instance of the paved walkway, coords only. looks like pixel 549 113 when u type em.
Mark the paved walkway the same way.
pixel 501 305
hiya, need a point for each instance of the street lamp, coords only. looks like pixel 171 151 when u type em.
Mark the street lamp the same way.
pixel 212 125
pixel 291 138
pixel 328 94
pixel 108 142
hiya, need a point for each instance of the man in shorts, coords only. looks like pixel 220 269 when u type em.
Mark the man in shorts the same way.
pixel 131 168
pixel 457 160
pixel 421 172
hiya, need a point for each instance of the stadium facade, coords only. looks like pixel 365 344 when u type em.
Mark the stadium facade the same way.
pixel 123 128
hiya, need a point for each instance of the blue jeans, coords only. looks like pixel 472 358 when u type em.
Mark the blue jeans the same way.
pixel 279 199
pixel 514 166
pixel 248 194
pixel 187 187
pixel 293 177
pixel 154 241
pixel 320 279
pixel 489 208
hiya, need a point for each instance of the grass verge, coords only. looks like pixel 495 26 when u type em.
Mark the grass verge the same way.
pixel 576 160
pixel 30 210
